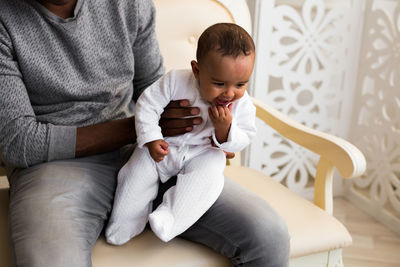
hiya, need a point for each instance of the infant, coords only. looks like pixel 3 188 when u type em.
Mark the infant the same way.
pixel 217 85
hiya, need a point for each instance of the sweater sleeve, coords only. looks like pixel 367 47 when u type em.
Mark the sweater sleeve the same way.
pixel 148 59
pixel 243 127
pixel 23 140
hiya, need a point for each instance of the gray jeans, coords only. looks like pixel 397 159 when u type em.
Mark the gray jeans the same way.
pixel 58 210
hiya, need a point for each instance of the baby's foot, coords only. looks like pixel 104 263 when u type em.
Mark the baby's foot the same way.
pixel 118 233
pixel 161 222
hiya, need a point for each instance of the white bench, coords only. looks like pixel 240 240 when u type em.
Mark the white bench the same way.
pixel 316 236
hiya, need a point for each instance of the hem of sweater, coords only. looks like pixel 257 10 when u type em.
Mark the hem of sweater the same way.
pixel 62 142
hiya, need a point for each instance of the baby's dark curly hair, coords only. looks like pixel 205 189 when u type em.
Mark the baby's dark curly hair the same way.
pixel 227 38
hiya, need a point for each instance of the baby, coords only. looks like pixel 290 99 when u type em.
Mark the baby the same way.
pixel 217 85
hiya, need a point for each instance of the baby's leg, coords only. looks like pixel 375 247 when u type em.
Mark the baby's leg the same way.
pixel 198 187
pixel 137 187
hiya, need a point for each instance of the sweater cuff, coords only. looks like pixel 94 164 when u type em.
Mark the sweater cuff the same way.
pixel 62 143
pixel 226 146
pixel 144 139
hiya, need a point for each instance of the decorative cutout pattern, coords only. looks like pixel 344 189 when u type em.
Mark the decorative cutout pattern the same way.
pixel 376 130
pixel 306 70
pixel 339 262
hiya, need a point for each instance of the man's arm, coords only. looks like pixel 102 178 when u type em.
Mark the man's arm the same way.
pixel 104 137
pixel 108 136
pixel 148 68
pixel 23 140
pixel 148 60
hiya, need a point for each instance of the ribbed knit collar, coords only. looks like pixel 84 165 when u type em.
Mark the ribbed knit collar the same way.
pixel 53 16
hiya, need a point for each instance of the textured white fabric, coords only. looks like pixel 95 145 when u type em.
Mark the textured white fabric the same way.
pixel 199 166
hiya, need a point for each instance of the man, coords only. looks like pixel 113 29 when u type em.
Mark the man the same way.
pixel 70 72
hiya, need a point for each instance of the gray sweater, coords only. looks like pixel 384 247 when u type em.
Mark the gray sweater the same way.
pixel 59 74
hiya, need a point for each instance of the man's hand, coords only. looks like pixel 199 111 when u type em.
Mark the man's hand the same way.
pixel 173 121
pixel 158 149
pixel 221 118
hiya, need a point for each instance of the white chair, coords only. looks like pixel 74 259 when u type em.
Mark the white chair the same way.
pixel 316 236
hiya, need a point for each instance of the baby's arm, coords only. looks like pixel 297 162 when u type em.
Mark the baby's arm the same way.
pixel 221 118
pixel 149 107
pixel 158 149
pixel 242 126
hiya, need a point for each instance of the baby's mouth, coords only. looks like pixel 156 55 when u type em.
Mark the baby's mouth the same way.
pixel 220 102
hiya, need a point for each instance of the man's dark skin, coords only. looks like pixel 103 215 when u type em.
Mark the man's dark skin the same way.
pixel 111 135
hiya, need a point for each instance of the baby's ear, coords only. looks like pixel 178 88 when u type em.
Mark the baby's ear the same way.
pixel 195 69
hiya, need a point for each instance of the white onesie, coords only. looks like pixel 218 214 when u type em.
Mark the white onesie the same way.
pixel 198 166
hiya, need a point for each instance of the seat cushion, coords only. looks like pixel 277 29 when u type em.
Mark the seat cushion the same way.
pixel 312 230
pixel 148 251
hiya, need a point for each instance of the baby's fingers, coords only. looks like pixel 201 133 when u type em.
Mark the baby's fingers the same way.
pixel 159 158
pixel 160 154
pixel 225 111
pixel 213 112
pixel 163 148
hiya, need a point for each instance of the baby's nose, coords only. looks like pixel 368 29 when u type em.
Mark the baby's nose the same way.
pixel 229 93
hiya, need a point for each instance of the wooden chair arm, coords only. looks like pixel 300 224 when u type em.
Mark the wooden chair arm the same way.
pixel 349 161
pixel 334 151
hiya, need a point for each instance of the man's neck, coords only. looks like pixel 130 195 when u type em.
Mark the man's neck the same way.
pixel 62 8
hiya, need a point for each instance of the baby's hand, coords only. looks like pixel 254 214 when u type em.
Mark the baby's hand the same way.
pixel 228 155
pixel 221 118
pixel 158 149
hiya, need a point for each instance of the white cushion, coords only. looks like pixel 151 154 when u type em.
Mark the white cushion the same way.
pixel 311 229
pixel 179 24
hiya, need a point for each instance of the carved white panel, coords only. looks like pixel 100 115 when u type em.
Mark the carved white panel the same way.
pixel 304 68
pixel 376 127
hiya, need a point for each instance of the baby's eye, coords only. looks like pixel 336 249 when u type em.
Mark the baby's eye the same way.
pixel 219 84
pixel 239 85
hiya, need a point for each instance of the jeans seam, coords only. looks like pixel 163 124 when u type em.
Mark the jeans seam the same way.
pixel 99 230
pixel 10 241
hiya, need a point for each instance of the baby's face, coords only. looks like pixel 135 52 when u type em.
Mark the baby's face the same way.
pixel 223 79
